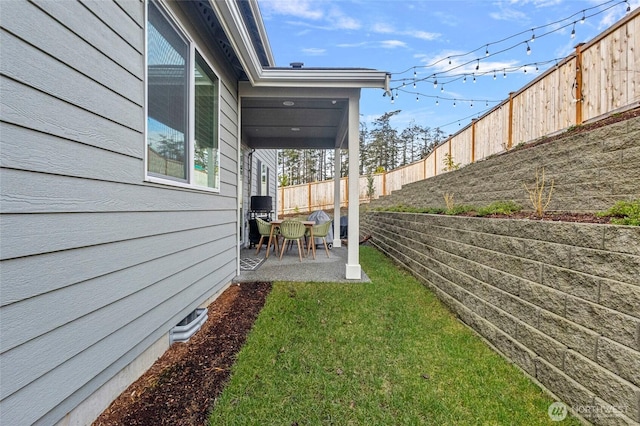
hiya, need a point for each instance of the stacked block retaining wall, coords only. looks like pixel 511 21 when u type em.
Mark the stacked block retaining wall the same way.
pixel 560 300
pixel 590 171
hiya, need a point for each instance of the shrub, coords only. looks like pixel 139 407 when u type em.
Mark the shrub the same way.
pixel 499 207
pixel 624 213
pixel 539 200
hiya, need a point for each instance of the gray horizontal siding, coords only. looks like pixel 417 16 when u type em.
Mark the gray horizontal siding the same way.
pixel 56 117
pixel 29 23
pixel 96 263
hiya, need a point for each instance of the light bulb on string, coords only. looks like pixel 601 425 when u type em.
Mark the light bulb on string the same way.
pixel 404 84
pixel 474 78
pixel 583 18
pixel 573 31
pixel 486 103
pixel 437 102
pixel 504 74
pixel 533 36
pixel 435 83
pixel 486 51
pixel 494 75
pixel 454 103
pixel 442 88
pixel 477 64
pixel 528 48
pixel 392 99
pixel 414 84
pixel 471 105
pixel 417 98
pixel 449 60
pixel 628 6
pixel 464 80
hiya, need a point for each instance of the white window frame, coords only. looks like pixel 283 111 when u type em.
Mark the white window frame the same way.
pixel 190 163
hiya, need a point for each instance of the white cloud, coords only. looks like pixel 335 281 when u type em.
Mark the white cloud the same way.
pixel 314 51
pixel 392 44
pixel 424 35
pixel 382 28
pixel 508 14
pixel 299 8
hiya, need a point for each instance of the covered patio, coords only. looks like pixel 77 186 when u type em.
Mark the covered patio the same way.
pixel 312 108
pixel 255 267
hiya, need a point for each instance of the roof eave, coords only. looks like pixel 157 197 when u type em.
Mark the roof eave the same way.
pixel 240 38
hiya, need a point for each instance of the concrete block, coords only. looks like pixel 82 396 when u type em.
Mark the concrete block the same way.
pixel 619 359
pixel 545 297
pixel 607 322
pixel 584 235
pixel 604 414
pixel 620 297
pixel 504 281
pixel 501 319
pixel 603 383
pixel 541 344
pixel 566 388
pixel 616 266
pixel 571 282
pixel 519 308
pixel 570 334
pixel 515 352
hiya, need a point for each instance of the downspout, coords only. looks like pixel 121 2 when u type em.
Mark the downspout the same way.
pixel 240 220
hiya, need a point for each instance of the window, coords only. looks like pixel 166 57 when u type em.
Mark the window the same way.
pixel 264 180
pixel 182 108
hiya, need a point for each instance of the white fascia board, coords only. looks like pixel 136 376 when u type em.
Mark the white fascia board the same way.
pixel 262 31
pixel 353 78
pixel 231 20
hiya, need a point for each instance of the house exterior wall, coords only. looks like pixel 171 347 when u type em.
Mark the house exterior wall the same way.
pixel 97 264
pixel 251 178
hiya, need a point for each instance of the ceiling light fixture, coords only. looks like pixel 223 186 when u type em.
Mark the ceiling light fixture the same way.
pixel 295 129
pixel 288 103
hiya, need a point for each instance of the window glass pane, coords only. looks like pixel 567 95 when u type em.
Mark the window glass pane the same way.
pixel 168 81
pixel 206 162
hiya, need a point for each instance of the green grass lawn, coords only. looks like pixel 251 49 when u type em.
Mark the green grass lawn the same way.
pixel 383 353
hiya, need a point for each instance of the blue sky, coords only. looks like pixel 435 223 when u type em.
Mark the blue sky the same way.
pixel 396 36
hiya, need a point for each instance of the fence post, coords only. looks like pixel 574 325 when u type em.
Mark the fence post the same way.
pixel 435 161
pixel 282 200
pixel 510 127
pixel 309 196
pixel 473 139
pixel 578 95
pixel 384 183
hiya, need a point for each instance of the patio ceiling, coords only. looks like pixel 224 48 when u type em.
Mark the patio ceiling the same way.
pixel 289 122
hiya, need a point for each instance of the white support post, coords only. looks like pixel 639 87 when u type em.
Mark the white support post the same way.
pixel 354 271
pixel 336 199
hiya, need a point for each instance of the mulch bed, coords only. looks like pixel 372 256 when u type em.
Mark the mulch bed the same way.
pixel 181 386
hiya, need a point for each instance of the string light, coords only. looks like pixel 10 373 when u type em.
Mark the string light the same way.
pixel 454 103
pixel 474 78
pixel 435 83
pixel 494 75
pixel 486 52
pixel 573 31
pixel 628 6
pixel 584 18
pixel 417 98
pixel 528 48
pixel 464 80
pixel 478 65
pixel 533 36
pixel 437 103
pixel 393 100
pixel 442 88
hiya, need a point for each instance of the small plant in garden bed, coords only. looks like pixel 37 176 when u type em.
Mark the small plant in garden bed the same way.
pixel 495 208
pixel 624 213
pixel 499 207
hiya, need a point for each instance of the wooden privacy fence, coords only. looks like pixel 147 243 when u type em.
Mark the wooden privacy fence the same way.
pixel 600 77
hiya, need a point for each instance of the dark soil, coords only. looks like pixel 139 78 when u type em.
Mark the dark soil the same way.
pixel 180 387
pixel 555 216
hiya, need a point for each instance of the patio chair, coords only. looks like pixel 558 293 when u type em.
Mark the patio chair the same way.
pixel 292 230
pixel 264 228
pixel 320 231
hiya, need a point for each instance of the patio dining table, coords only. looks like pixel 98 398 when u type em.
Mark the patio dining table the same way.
pixel 307 223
